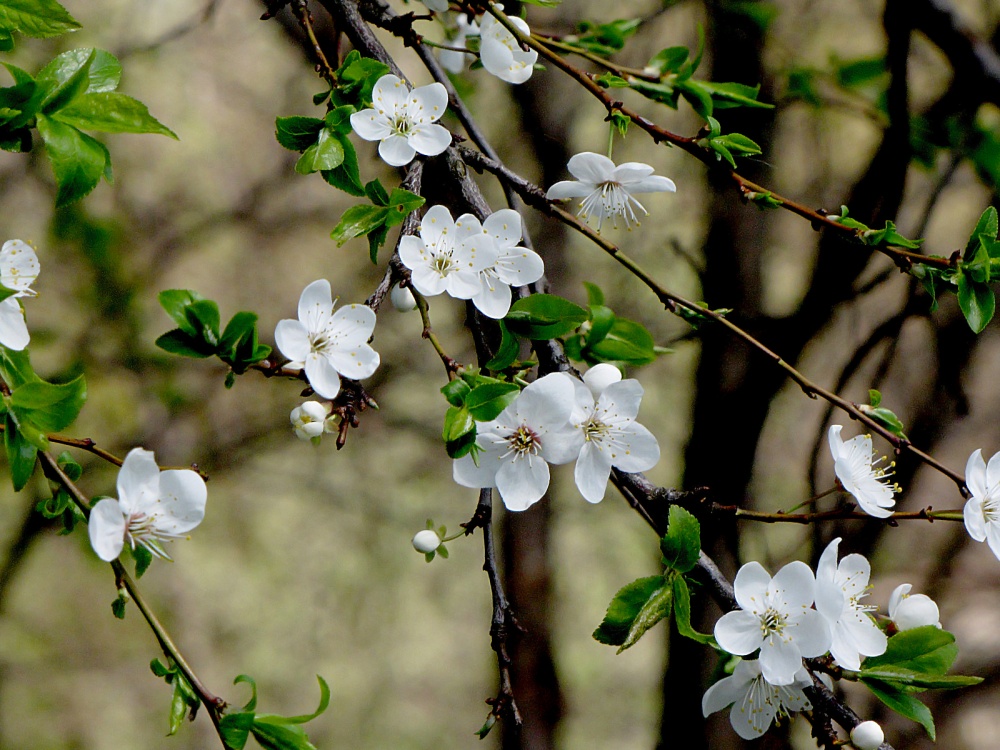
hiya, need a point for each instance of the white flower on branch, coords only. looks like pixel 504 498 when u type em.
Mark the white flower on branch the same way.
pixel 18 270
pixel 515 449
pixel 153 507
pixel 328 344
pixel 501 52
pixel 839 591
pixel 402 299
pixel 909 611
pixel 756 702
pixel 867 735
pixel 309 420
pixel 449 255
pixel 982 511
pixel 605 417
pixel 775 616
pixel 858 474
pixel 514 265
pixel 452 60
pixel 606 189
pixel 426 541
pixel 403 120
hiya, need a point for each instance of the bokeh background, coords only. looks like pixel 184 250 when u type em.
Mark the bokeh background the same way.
pixel 303 565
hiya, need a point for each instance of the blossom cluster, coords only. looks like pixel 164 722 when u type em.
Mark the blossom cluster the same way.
pixel 555 420
pixel 795 615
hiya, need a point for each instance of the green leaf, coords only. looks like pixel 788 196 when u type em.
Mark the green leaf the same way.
pixel 15 367
pixel 544 316
pixel 105 72
pixel 485 402
pixel 175 303
pixel 682 612
pixel 464 445
pixel 185 345
pixel 654 609
pixel 347 176
pixel 297 133
pixel 886 418
pixel 601 320
pixel 78 160
pixel 277 735
pixel 457 422
pixel 325 153
pixel 627 342
pixel 903 703
pixel 111 112
pixel 36 18
pixel 324 703
pixel 924 649
pixel 69 465
pixel 860 72
pixel 235 729
pixel 50 407
pixel 358 220
pixel 203 315
pixel 63 79
pixel 376 238
pixel 986 229
pixel 20 454
pixel 455 391
pixel 625 608
pixel 183 701
pixel 921 680
pixel 376 193
pixel 242 326
pixel 252 703
pixel 143 558
pixel 681 545
pixel 874 397
pixel 669 60
pixel 402 203
pixel 507 351
pixel 118 606
pixel 976 301
pixel 594 294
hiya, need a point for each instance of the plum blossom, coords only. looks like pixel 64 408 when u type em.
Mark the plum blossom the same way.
pixel 756 702
pixel 448 256
pixel 775 616
pixel 982 510
pixel 328 344
pixel 839 591
pixel 403 120
pixel 309 420
pixel 515 449
pixel 426 541
pixel 18 270
pixel 867 735
pixel 514 265
pixel 858 474
pixel 452 60
pixel 402 299
pixel 606 407
pixel 606 189
pixel 501 52
pixel 153 507
pixel 909 611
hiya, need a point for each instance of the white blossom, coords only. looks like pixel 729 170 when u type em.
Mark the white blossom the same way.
pixel 756 702
pixel 982 510
pixel 447 257
pixel 605 417
pixel 516 448
pixel 501 52
pixel 514 265
pixel 909 611
pixel 607 190
pixel 775 616
pixel 867 735
pixel 402 299
pixel 153 507
pixel 18 270
pixel 403 120
pixel 328 344
pixel 857 473
pixel 839 591
pixel 426 541
pixel 452 60
pixel 309 420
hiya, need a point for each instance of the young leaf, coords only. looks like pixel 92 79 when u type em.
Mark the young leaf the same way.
pixel 347 176
pixel 924 649
pixel 356 221
pixel 544 316
pixel 654 609
pixel 36 18
pixel 682 612
pixel 625 607
pixel 457 422
pixel 175 302
pixel 627 342
pixel 20 454
pixel 143 558
pixel 297 133
pixel 976 301
pixel 507 351
pixel 903 703
pixel 50 407
pixel 63 79
pixel 185 345
pixel 111 112
pixel 681 545
pixel 325 153
pixel 235 729
pixel 455 391
pixel 485 402
pixel 78 160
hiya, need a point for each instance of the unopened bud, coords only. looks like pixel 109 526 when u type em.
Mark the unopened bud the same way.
pixel 402 299
pixel 867 735
pixel 426 541
pixel 308 420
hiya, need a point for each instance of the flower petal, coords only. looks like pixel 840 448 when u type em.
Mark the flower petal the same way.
pixel 780 660
pixel 591 473
pixel 795 584
pixel 739 632
pixel 322 375
pixel 292 339
pixel 138 482
pixel 13 329
pixel 370 125
pixel 522 482
pixel 975 474
pixel 352 325
pixel 316 306
pixel 427 104
pixel 569 189
pixel 493 299
pixel 430 140
pixel 975 521
pixel 18 265
pixel 183 495
pixel 750 586
pixel 519 266
pixel 106 529
pixel 810 632
pixel 641 453
pixel 590 167
pixel 504 226
pixel 396 151
pixel 390 94
pixel 357 362
pixel 466 473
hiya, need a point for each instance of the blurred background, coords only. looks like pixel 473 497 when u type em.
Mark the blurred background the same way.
pixel 303 565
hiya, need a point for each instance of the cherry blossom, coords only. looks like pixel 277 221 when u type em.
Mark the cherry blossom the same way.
pixel 605 417
pixel 452 60
pixel 501 52
pixel 309 420
pixel 858 474
pixel 982 510
pixel 402 299
pixel 153 507
pixel 839 591
pixel 756 702
pixel 515 449
pixel 606 189
pixel 426 541
pixel 403 120
pixel 867 735
pixel 328 344
pixel 18 270
pixel 449 255
pixel 775 616
pixel 909 611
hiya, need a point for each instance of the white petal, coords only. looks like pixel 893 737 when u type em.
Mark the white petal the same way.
pixel 519 266
pixel 896 597
pixel 653 184
pixel 548 402
pixel 18 265
pixel 621 400
pixel 430 140
pixel 322 376
pixel 390 94
pixel 436 225
pixel 493 298
pixel 138 481
pixel 466 473
pixel 183 495
pixel 357 363
pixel 428 103
pixel 106 529
pixel 836 441
pixel 292 339
pixel 396 151
pixel 590 167
pixel 993 474
pixel 522 483
pixel 750 586
pixel 569 189
pixel 370 125
pixel 316 306
pixel 13 330
pixel 780 660
pixel 600 376
pixel 738 632
pixel 504 226
pixel 593 468
pixel 352 325
pixel 975 521
pixel 642 451
pixel 975 474
pixel 796 584
pixel 463 284
pixel 811 634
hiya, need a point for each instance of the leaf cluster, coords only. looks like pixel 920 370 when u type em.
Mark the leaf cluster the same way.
pixel 387 210
pixel 184 702
pixel 272 732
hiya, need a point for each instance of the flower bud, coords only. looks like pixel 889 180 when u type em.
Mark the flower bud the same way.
pixel 402 299
pixel 600 376
pixel 308 420
pixel 426 541
pixel 909 611
pixel 867 735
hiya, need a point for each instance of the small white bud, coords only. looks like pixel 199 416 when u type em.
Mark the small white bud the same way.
pixel 308 420
pixel 402 299
pixel 426 541
pixel 600 376
pixel 867 735
pixel 908 610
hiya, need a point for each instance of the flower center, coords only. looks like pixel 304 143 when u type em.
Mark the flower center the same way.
pixel 772 621
pixel 145 530
pixel 443 264
pixel 596 430
pixel 402 125
pixel 523 442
